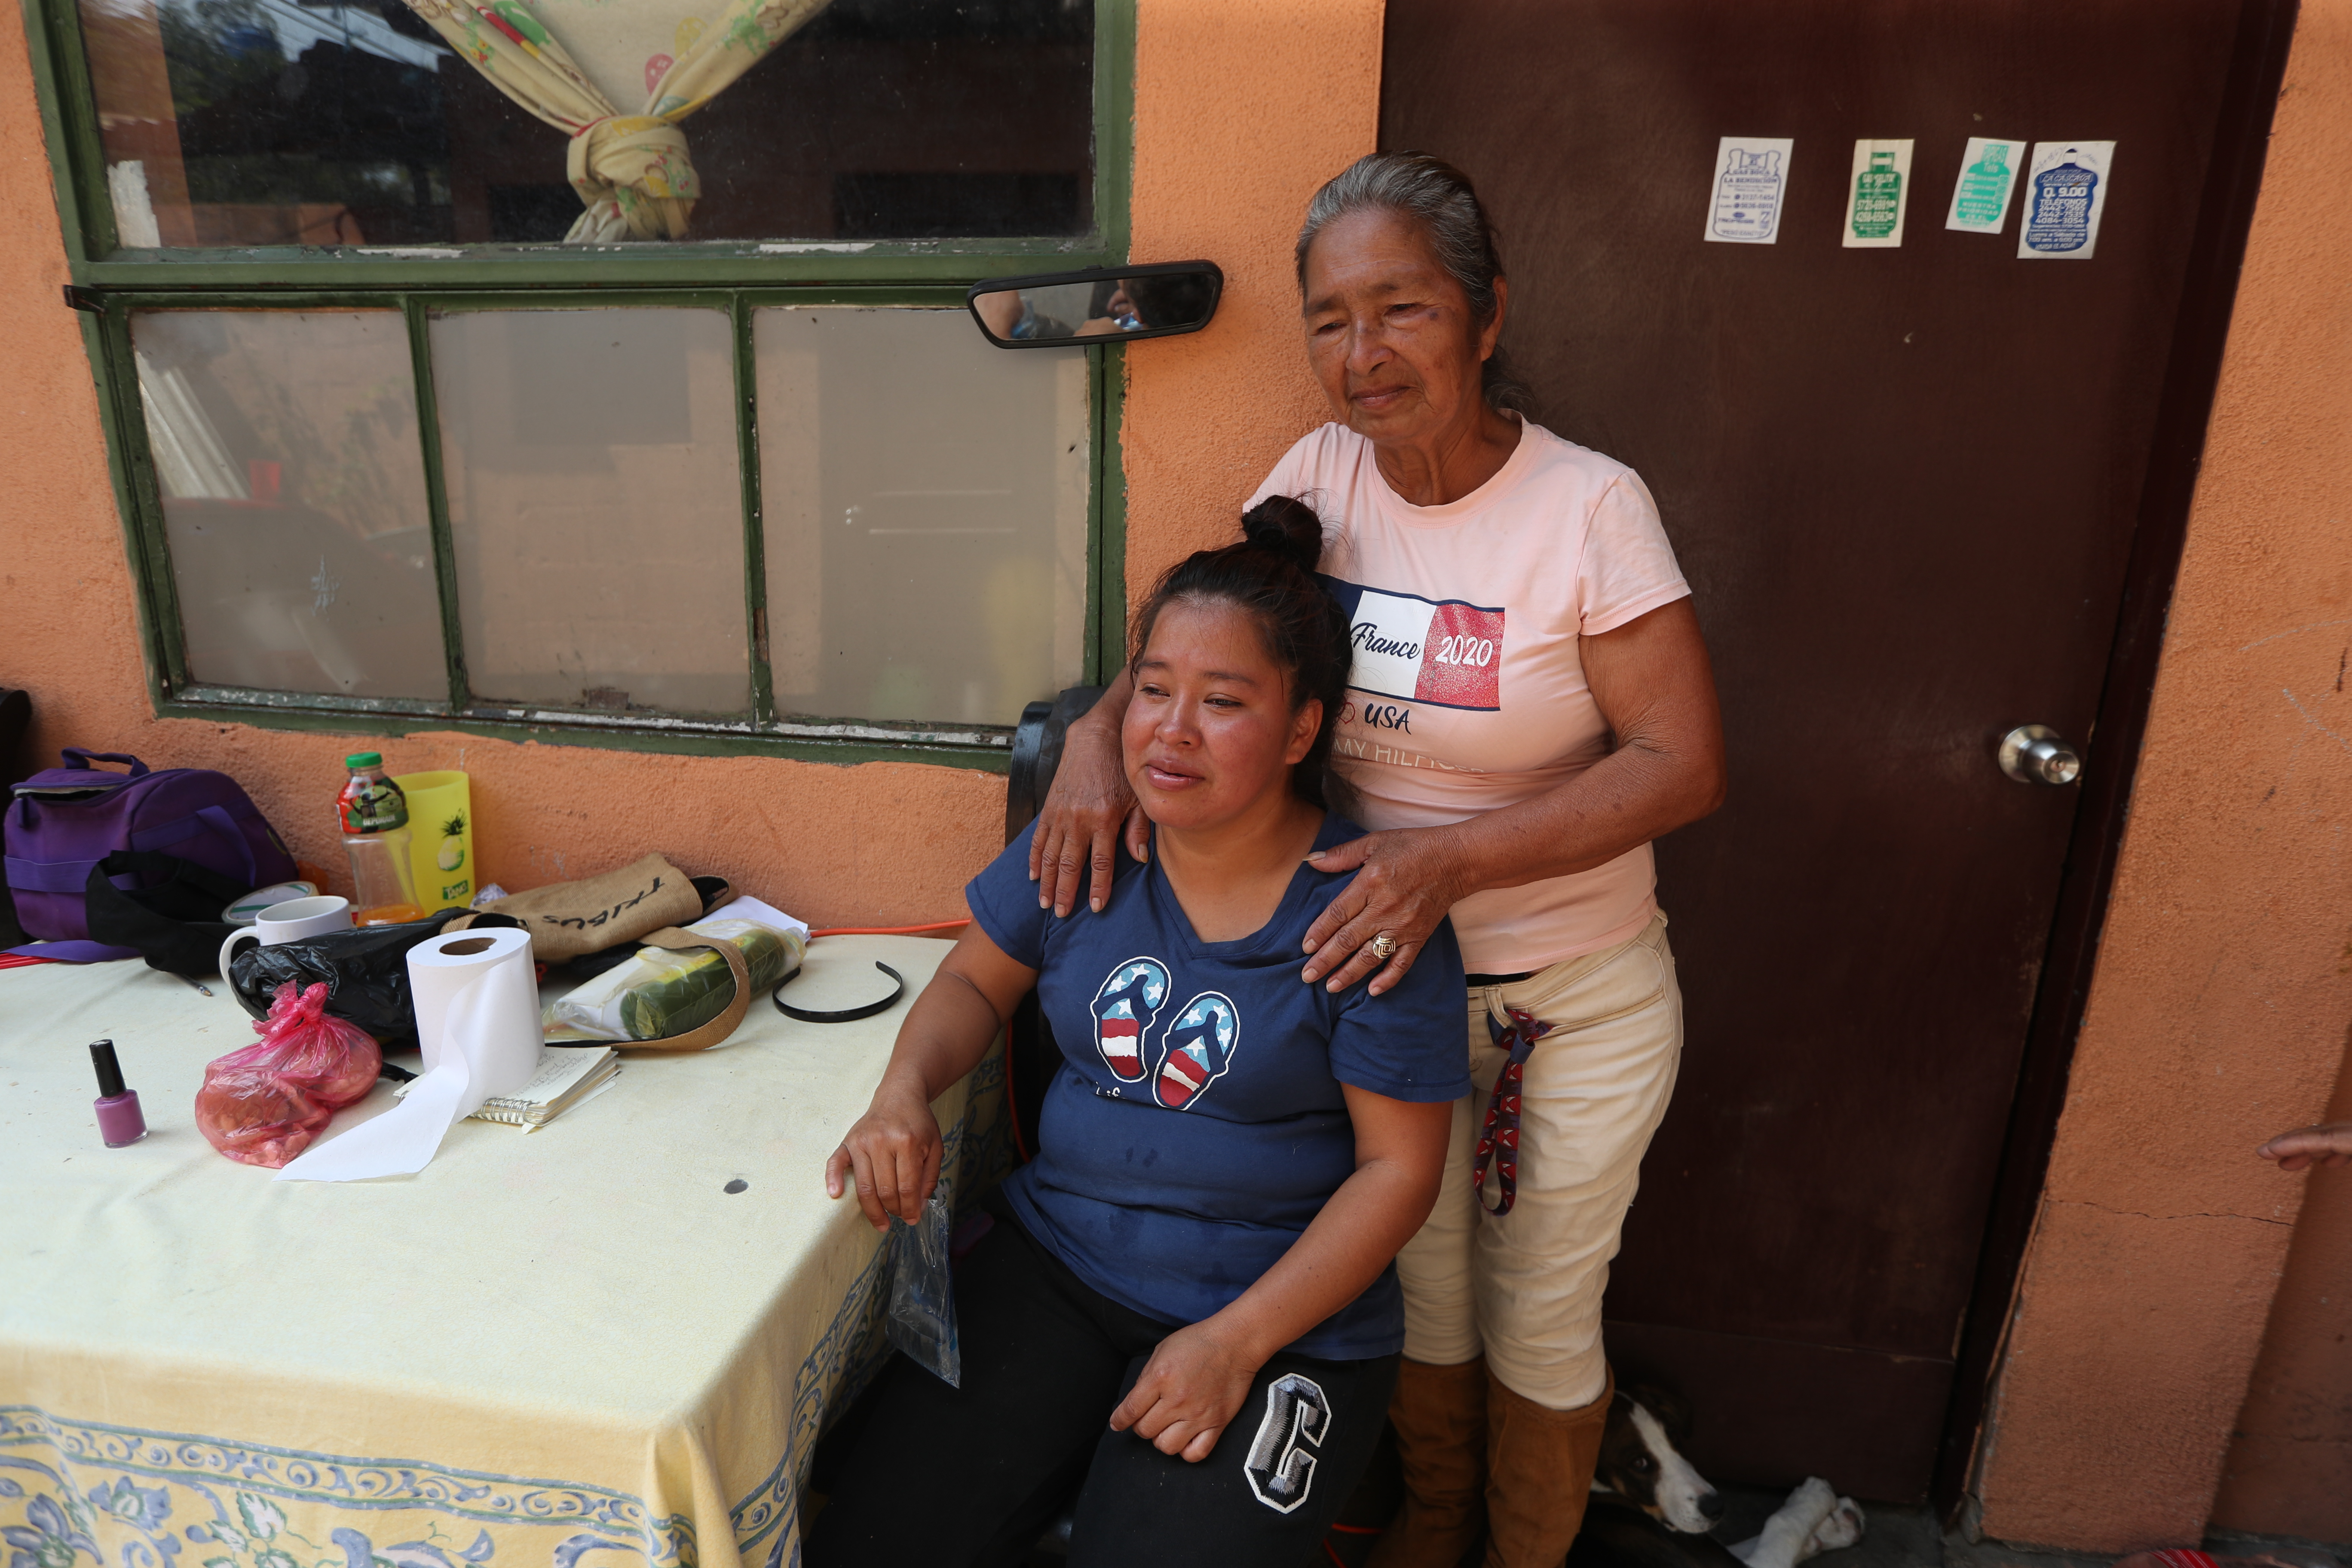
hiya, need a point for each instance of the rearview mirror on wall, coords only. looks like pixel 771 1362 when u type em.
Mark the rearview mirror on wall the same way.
pixel 1058 309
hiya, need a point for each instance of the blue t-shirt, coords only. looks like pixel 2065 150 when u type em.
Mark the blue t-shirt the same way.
pixel 1196 1124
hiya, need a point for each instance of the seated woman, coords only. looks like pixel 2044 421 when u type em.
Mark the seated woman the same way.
pixel 1187 1302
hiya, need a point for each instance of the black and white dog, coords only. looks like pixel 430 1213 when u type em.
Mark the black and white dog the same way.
pixel 1650 1509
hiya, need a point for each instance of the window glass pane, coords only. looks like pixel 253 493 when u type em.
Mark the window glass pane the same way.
pixel 285 446
pixel 317 123
pixel 597 506
pixel 924 496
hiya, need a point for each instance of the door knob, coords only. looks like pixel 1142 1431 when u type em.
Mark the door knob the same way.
pixel 2036 754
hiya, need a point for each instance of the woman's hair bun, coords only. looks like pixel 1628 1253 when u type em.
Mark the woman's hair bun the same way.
pixel 1288 527
pixel 1269 574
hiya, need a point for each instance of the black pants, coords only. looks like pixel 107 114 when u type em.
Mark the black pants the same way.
pixel 945 1476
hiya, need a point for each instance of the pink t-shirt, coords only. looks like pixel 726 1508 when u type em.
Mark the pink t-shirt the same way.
pixel 1467 691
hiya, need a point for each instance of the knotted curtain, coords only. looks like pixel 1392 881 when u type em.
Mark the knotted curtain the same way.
pixel 630 170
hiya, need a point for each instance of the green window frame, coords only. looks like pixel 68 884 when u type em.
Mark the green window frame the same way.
pixel 109 283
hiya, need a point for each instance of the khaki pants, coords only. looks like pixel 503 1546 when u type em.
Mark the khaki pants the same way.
pixel 1526 1290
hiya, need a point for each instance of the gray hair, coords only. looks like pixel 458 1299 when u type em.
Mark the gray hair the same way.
pixel 1436 198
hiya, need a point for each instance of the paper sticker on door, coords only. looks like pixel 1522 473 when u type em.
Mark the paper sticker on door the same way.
pixel 1875 191
pixel 1443 652
pixel 2065 193
pixel 1988 176
pixel 1752 176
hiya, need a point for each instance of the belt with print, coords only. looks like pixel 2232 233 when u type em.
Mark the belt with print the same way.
pixel 1498 1140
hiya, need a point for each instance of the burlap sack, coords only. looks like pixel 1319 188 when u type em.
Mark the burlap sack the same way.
pixel 568 919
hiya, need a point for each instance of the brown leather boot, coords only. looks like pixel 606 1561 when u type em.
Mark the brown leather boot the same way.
pixel 1539 1472
pixel 1440 1415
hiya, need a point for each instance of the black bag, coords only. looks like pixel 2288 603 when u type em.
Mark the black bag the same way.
pixel 366 972
pixel 175 923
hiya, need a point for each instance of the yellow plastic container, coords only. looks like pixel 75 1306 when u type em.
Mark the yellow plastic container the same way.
pixel 441 819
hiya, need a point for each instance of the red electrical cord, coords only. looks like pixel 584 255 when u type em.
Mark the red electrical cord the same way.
pixel 1021 1153
pixel 889 931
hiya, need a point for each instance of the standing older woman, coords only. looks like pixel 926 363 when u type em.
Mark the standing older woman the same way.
pixel 1530 705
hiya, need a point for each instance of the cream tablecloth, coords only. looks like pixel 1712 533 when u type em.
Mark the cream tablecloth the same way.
pixel 570 1347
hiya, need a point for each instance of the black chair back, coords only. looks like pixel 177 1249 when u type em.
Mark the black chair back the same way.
pixel 1037 754
pixel 1031 1055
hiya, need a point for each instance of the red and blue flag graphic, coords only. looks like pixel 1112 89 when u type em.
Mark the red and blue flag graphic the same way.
pixel 1124 1009
pixel 1447 652
pixel 1200 1048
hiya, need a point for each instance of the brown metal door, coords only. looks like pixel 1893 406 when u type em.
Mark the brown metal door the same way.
pixel 1904 484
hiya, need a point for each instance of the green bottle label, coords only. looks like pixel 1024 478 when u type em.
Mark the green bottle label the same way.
pixel 1877 198
pixel 377 807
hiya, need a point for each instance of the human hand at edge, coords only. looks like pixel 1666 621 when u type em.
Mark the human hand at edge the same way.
pixel 1409 879
pixel 2328 1143
pixel 1085 813
pixel 1188 1391
pixel 894 1153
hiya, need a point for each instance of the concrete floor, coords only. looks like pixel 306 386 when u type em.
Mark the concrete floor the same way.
pixel 2276 1552
pixel 1908 1538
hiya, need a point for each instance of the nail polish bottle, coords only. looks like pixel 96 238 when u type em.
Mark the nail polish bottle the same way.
pixel 120 1121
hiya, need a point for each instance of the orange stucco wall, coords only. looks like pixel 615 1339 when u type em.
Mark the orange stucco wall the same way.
pixel 1234 128
pixel 2217 1014
pixel 1238 151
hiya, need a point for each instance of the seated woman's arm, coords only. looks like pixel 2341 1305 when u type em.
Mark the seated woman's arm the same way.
pixel 893 1153
pixel 1197 1379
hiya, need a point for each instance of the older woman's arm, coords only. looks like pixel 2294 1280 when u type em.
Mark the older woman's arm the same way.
pixel 1654 685
pixel 1090 805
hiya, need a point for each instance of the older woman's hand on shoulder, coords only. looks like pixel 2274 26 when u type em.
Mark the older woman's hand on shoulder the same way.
pixel 1407 881
pixel 1653 681
pixel 1087 810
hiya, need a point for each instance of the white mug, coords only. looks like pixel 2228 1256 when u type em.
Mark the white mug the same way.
pixel 290 921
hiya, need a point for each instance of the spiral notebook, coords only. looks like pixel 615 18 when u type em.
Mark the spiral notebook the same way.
pixel 565 1077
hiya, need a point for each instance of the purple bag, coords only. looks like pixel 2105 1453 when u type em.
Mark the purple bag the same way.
pixel 62 823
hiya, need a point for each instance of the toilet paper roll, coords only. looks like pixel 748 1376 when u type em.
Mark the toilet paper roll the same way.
pixel 442 967
pixel 476 1004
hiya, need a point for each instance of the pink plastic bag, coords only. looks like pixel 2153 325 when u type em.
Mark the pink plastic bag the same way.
pixel 262 1105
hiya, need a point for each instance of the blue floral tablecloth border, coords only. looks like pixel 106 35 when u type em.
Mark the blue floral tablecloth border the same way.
pixel 222 1498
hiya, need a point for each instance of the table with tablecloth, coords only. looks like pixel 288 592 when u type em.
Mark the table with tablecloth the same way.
pixel 571 1346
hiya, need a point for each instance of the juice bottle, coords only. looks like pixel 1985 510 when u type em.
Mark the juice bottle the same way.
pixel 375 816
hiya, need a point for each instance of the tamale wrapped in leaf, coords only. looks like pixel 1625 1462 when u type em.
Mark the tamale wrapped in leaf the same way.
pixel 692 988
pixel 660 993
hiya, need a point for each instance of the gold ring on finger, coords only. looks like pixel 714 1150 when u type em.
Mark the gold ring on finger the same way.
pixel 1383 947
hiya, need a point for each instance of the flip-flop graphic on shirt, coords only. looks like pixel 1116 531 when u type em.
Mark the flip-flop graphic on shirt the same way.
pixel 1201 1044
pixel 1123 1012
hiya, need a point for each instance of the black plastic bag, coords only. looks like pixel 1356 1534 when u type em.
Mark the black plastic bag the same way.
pixel 365 972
